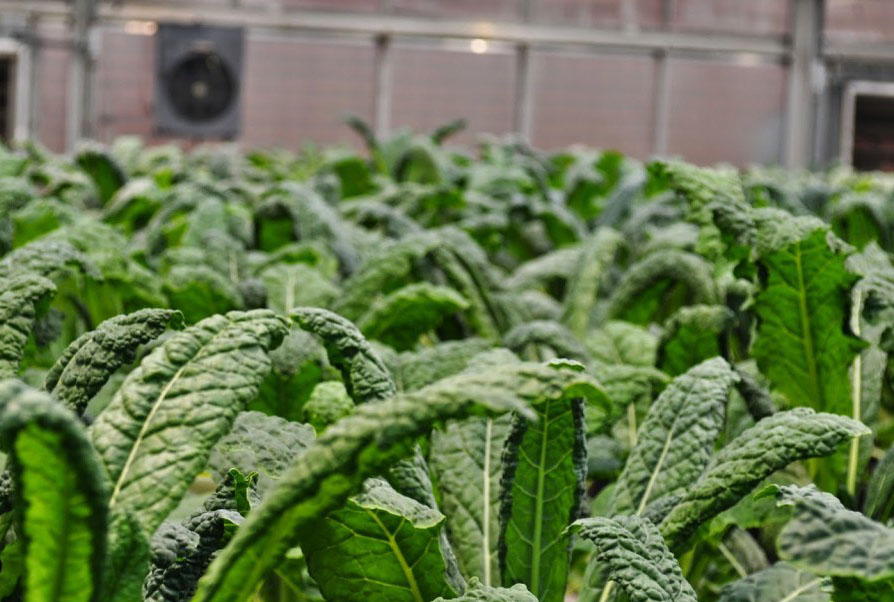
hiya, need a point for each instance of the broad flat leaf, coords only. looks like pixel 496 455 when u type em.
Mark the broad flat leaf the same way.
pixel 583 284
pixel 365 376
pixel 478 592
pixel 127 560
pixel 768 446
pixel 20 300
pixel 260 443
pixel 636 558
pixel 466 461
pixel 86 365
pixel 362 445
pixel 401 317
pixel 779 583
pixel 12 564
pixel 544 469
pixel 800 343
pixel 825 538
pixel 62 495
pixel 676 441
pixel 879 502
pixel 692 335
pixel 158 430
pixel 380 546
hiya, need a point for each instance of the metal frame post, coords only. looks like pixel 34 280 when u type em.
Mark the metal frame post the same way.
pixel 384 67
pixel 806 42
pixel 524 84
pixel 80 78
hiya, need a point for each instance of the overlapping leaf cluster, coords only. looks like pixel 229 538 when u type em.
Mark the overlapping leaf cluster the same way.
pixel 422 375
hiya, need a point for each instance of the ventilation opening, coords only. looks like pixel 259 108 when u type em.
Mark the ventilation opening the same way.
pixel 873 146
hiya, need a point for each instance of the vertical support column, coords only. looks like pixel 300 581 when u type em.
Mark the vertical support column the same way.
pixel 80 78
pixel 661 108
pixel 524 85
pixel 382 100
pixel 33 77
pixel 661 103
pixel 524 105
pixel 23 107
pixel 806 40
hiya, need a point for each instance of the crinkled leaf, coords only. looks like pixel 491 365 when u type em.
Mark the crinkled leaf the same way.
pixel 825 538
pixel 86 365
pixel 768 446
pixel 801 345
pixel 180 553
pixel 361 446
pixel 636 558
pixel 416 369
pixel 158 430
pixel 692 335
pixel 365 376
pixel 544 469
pixel 478 592
pixel 778 583
pixel 466 461
pixel 525 338
pixel 260 443
pixel 20 301
pixel 676 441
pixel 399 318
pixel 328 402
pixel 652 289
pixel 583 285
pixel 61 494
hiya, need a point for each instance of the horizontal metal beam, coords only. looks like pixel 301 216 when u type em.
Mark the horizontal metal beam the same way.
pixel 396 25
pixel 853 50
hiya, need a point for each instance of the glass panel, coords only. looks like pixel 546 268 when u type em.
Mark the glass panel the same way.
pixel 125 73
pixel 499 10
pixel 296 91
pixel 53 86
pixel 580 13
pixel 735 16
pixel 435 85
pixel 866 20
pixel 602 101
pixel 725 112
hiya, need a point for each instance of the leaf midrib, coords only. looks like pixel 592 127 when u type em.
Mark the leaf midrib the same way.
pixel 538 505
pixel 395 549
pixel 119 483
pixel 800 590
pixel 485 523
pixel 807 339
pixel 661 458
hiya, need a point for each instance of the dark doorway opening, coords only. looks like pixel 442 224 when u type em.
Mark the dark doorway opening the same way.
pixel 873 147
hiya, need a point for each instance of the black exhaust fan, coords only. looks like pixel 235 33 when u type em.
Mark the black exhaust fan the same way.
pixel 198 77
